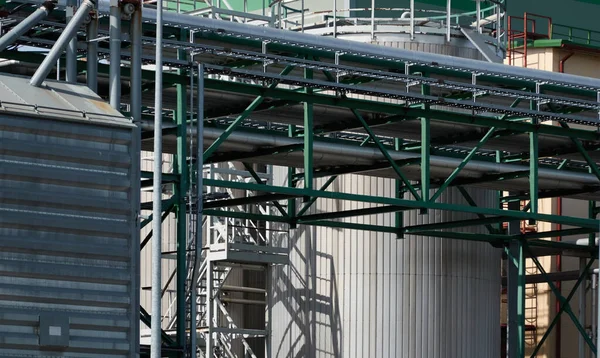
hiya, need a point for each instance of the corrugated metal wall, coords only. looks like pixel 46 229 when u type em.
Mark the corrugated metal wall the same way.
pixel 69 285
pixel 349 293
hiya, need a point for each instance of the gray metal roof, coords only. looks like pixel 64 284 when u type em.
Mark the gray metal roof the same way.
pixel 60 100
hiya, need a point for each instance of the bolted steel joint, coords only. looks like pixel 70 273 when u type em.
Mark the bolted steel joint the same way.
pixel 128 8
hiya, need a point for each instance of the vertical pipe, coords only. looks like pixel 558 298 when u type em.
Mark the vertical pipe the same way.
pixel 58 69
pixel 594 304
pixel 582 293
pixel 515 287
pixel 372 20
pixel 302 18
pixel 557 346
pixel 478 10
pixel 412 19
pixel 199 196
pixel 448 12
pixel 115 56
pixel 136 64
pixel 70 30
pixel 25 25
pixel 498 27
pixel 334 17
pixel 209 309
pixel 155 339
pixel 71 52
pixel 92 53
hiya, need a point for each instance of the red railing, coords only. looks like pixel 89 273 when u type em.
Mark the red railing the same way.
pixel 525 28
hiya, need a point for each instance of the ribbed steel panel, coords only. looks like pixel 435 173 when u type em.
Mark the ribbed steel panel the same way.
pixel 349 293
pixel 69 234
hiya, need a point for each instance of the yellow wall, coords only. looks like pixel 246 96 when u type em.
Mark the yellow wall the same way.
pixel 584 65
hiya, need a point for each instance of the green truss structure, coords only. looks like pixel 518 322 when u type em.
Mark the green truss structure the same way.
pixel 526 135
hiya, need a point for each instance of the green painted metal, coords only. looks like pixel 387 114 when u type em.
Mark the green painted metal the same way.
pixel 407 112
pixel 472 202
pixel 425 146
pixel 181 189
pixel 314 199
pixel 257 101
pixel 350 213
pixel 461 166
pixel 593 166
pixel 291 203
pixel 398 216
pixel 455 224
pixel 572 221
pixel 385 153
pixel 308 136
pixel 565 306
pixel 259 181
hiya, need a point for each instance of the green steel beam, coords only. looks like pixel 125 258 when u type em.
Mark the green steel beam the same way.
pixel 259 181
pixel 239 156
pixel 464 163
pixel 257 101
pixel 350 213
pixel 464 236
pixel 472 203
pixel 308 136
pixel 181 189
pixel 455 224
pixel 147 319
pixel 398 216
pixel 412 204
pixel 408 112
pixel 385 153
pixel 256 199
pixel 593 166
pixel 168 210
pixel 425 146
pixel 533 170
pixel 291 203
pixel 555 233
pixel 313 199
pixel 564 307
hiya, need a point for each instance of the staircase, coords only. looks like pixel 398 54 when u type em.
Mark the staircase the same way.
pixel 231 290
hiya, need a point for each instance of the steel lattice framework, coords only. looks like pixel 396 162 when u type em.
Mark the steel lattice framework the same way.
pixel 526 132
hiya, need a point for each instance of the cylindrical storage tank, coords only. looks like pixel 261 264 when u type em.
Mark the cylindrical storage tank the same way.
pixel 349 293
pixel 69 210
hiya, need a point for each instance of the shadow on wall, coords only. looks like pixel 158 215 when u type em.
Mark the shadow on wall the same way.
pixel 306 293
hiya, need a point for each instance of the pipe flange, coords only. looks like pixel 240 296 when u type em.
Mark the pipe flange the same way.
pixel 128 8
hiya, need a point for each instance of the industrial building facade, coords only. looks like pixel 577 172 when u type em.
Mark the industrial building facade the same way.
pixel 298 179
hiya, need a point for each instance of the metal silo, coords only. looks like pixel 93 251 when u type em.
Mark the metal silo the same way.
pixel 69 198
pixel 349 293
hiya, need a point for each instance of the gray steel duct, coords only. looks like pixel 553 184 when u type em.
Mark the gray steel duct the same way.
pixel 115 55
pixel 70 30
pixel 26 24
pixel 136 64
pixel 92 53
pixel 71 53
pixel 182 20
pixel 345 154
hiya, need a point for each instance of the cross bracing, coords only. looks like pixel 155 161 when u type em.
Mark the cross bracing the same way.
pixel 429 121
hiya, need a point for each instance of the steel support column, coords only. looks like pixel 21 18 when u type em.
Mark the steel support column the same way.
pixel 71 53
pixel 115 54
pixel 516 290
pixel 181 189
pixel 199 209
pixel 308 136
pixel 155 338
pixel 136 64
pixel 92 52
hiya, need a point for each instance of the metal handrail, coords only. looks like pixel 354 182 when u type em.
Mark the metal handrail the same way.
pixel 589 37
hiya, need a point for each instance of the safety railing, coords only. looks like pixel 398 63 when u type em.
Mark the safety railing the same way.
pixel 576 35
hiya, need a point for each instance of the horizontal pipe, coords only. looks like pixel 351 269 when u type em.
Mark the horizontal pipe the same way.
pixel 26 24
pixel 242 289
pixel 244 302
pixel 70 30
pixel 345 154
pixel 346 46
